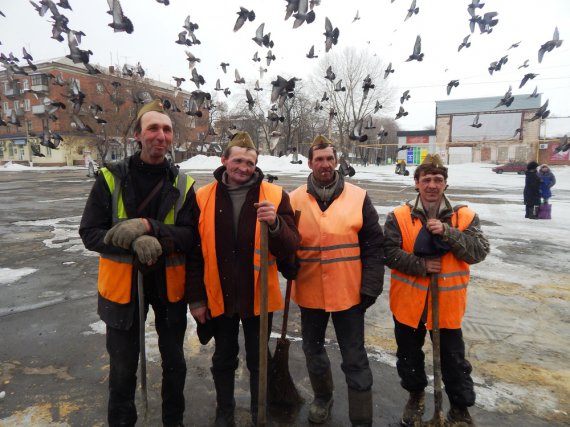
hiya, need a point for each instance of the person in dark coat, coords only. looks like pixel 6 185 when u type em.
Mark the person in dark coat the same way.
pixel 142 216
pixel 531 191
pixel 547 181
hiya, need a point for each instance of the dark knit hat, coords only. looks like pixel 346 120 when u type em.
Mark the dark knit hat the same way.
pixel 531 165
pixel 155 105
pixel 241 139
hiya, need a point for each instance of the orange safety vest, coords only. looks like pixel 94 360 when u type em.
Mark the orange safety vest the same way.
pixel 116 270
pixel 206 198
pixel 329 254
pixel 408 293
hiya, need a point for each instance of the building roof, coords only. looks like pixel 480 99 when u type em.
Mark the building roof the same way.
pixel 425 132
pixel 479 105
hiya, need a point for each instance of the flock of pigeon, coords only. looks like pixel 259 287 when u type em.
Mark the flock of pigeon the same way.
pixel 303 12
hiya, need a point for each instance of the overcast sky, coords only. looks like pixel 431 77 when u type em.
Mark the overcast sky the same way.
pixel 381 30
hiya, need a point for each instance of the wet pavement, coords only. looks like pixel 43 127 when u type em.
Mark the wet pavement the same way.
pixel 53 362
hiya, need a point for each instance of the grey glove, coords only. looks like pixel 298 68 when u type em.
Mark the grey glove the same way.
pixel 125 232
pixel 147 248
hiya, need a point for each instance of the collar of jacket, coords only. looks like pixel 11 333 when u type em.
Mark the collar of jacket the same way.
pixel 446 209
pixel 338 190
pixel 121 168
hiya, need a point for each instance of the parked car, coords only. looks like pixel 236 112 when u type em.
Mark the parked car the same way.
pixel 518 167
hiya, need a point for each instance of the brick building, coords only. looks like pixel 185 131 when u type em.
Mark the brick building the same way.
pixel 28 113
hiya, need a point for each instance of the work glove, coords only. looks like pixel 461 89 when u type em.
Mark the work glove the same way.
pixel 366 301
pixel 125 232
pixel 148 249
pixel 288 268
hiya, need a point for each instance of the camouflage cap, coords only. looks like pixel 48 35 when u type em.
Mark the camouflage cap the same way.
pixel 241 139
pixel 321 140
pixel 155 105
pixel 434 160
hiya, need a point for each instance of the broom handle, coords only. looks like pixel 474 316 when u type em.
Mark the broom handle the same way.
pixel 288 290
pixel 263 326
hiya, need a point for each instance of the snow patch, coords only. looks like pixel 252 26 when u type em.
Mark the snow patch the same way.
pixel 9 275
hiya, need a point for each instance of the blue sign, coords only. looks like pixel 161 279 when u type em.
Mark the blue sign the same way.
pixel 410 156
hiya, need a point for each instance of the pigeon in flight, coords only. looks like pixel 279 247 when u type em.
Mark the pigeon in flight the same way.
pixel 356 133
pixel 369 123
pixel 257 87
pixel 518 131
pixel 550 45
pixel 269 57
pixel 412 10
pixel 262 71
pixel 377 107
pixel 282 88
pixel 193 109
pixel 243 15
pixel 524 65
pixel 249 99
pixel 563 146
pixel 261 39
pixel 331 35
pixel 178 80
pixel 405 96
pixel 239 79
pixel 311 53
pixel 465 43
pixel 303 15
pixel 417 54
pixel 218 85
pixel 197 78
pixel 256 57
pixel 330 74
pixel 541 113
pixel 388 70
pixel 451 85
pixel 182 39
pixel 526 78
pixel 476 123
pixel 507 98
pixel 514 45
pixel 325 97
pixel 357 17
pixel 339 87
pixel 475 4
pixel 120 21
pixel 224 66
pixel 401 113
pixel 191 59
pixel 227 92
pixel 164 2
pixel 318 106
pixel 367 85
pixel 189 25
pixel 534 93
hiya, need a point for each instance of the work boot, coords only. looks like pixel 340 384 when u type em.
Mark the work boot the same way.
pixel 319 410
pixel 459 417
pixel 414 410
pixel 360 408
pixel 225 402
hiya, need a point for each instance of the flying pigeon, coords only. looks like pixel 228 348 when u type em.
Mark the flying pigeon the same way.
pixel 257 88
pixel 487 22
pixel 534 93
pixel 311 53
pixel 451 85
pixel 178 80
pixel 388 70
pixel 514 45
pixel 377 107
pixel 250 101
pixel 193 109
pixel 465 43
pixel 563 146
pixel 269 57
pixel 191 59
pixel 282 88
pixel 507 98
pixel 541 113
pixel 262 71
pixel 357 17
pixel 189 25
pixel 182 39
pixel 239 79
pixel 292 6
pixel 261 39
pixel 412 10
pixel 417 54
pixel 367 85
pixel 476 123
pixel 318 106
pixel 524 65
pixel 197 78
pixel 325 97
pixel 302 15
pixel 356 132
pixel 526 78
pixel 218 85
pixel 339 87
pixel 369 123
pixel 120 21
pixel 550 45
pixel 405 96
pixel 330 74
pixel 243 15
pixel 401 113
pixel 475 4
pixel 331 35
pixel 518 131
pixel 224 66
pixel 227 92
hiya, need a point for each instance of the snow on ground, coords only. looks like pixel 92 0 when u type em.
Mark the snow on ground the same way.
pixel 10 275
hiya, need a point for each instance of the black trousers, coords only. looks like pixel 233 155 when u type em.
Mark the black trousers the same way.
pixel 455 368
pixel 349 329
pixel 225 359
pixel 123 348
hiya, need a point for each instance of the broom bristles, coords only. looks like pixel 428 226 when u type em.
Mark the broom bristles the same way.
pixel 282 390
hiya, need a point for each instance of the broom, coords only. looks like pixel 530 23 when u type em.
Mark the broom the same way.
pixel 282 390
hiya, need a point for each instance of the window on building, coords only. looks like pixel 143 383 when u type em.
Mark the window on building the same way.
pixel 39 79
pixel 27 105
pixel 5 84
pixel 25 84
pixel 5 106
pixel 29 126
pixel 100 88
pixel 21 153
pixel 16 105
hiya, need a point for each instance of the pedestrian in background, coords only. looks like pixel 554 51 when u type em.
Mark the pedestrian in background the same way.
pixel 547 181
pixel 226 279
pixel 531 192
pixel 341 274
pixel 141 216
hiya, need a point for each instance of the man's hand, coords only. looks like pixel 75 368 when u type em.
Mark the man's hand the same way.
pixel 199 313
pixel 366 301
pixel 148 249
pixel 433 265
pixel 125 232
pixel 266 212
pixel 435 226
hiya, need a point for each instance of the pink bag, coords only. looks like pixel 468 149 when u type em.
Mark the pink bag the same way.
pixel 544 211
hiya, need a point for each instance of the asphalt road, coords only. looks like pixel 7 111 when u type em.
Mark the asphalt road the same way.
pixel 53 363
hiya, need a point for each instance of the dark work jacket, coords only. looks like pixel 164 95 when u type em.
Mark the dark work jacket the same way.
pixel 531 191
pixel 180 237
pixel 370 240
pixel 235 252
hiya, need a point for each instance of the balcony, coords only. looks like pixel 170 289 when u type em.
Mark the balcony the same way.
pixel 38 109
pixel 40 88
pixel 12 91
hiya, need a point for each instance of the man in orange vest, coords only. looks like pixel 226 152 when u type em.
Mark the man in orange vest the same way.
pixel 142 216
pixel 341 274
pixel 226 283
pixel 417 246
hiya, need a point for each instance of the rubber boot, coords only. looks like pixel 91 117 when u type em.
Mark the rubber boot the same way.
pixel 224 383
pixel 459 417
pixel 360 408
pixel 320 408
pixel 414 410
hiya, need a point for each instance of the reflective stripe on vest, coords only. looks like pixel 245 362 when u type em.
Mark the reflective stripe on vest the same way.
pixel 331 270
pixel 115 271
pixel 408 293
pixel 206 198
